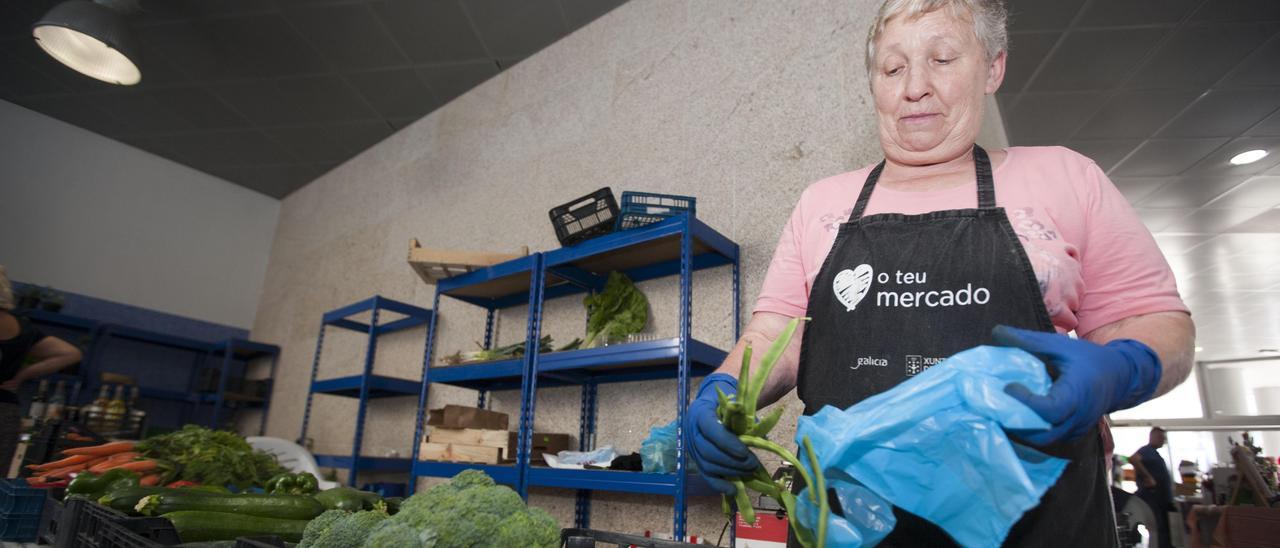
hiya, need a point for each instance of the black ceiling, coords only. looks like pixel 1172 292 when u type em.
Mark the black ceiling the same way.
pixel 270 94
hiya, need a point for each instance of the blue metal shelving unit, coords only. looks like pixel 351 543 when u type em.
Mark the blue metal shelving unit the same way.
pixel 102 334
pixel 674 247
pixel 365 386
pixel 232 350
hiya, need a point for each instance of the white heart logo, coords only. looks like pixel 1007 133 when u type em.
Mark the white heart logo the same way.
pixel 852 285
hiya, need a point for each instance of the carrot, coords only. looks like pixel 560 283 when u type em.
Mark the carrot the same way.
pixel 61 472
pixel 149 480
pixel 109 463
pixel 102 450
pixel 127 455
pixel 135 465
pixel 73 459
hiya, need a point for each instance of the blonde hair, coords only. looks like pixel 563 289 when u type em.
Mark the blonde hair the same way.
pixel 989 19
pixel 6 291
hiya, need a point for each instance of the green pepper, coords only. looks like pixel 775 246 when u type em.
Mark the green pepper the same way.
pixel 347 498
pixel 92 486
pixel 301 483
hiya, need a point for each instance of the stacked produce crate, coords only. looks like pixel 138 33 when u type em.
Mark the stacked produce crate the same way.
pixel 466 434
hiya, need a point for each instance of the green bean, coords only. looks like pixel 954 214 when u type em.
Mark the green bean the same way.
pixel 824 506
pixel 762 428
pixel 744 502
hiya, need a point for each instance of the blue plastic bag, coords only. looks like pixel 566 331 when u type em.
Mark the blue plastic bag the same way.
pixel 935 446
pixel 658 451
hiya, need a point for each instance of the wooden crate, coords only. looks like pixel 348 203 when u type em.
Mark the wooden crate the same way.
pixel 459 452
pixel 470 436
pixel 435 264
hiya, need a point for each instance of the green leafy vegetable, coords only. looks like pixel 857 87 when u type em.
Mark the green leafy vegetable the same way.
pixel 620 310
pixel 212 457
pixel 738 415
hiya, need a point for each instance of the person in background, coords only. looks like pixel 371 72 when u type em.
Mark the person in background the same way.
pixel 1155 485
pixel 20 341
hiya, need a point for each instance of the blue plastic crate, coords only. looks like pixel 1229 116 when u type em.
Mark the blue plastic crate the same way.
pixel 18 498
pixel 19 528
pixel 643 208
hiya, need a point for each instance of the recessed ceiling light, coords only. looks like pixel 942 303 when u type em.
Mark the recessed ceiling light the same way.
pixel 1199 349
pixel 1248 157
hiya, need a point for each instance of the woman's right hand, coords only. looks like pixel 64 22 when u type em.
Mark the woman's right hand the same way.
pixel 717 451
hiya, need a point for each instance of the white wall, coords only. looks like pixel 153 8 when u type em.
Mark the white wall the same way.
pixel 91 215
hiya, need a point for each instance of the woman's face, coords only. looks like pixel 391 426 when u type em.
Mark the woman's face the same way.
pixel 930 79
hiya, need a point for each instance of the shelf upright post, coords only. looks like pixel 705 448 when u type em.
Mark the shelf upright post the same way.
pixel 586 442
pixel 737 311
pixel 369 355
pixel 315 368
pixel 682 378
pixel 488 345
pixel 271 384
pixel 422 394
pixel 188 412
pixel 227 352
pixel 529 382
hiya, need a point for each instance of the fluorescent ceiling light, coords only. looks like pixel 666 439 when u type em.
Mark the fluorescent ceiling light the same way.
pixel 1248 157
pixel 91 38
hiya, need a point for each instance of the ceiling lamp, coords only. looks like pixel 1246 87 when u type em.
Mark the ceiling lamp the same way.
pixel 1248 157
pixel 92 38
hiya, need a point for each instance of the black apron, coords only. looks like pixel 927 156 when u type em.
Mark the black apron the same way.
pixel 899 293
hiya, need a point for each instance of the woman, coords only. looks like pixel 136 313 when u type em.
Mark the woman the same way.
pixel 19 340
pixel 944 246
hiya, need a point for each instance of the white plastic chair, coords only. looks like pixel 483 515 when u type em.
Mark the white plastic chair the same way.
pixel 292 456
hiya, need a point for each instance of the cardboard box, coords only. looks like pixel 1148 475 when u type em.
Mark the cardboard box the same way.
pixel 459 417
pixel 542 443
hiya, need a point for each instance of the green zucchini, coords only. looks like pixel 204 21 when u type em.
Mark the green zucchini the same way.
pixel 126 500
pixel 199 526
pixel 269 506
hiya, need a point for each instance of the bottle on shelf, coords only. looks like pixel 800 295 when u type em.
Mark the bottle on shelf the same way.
pixel 137 418
pixel 38 401
pixel 113 419
pixel 94 412
pixel 53 411
pixel 71 412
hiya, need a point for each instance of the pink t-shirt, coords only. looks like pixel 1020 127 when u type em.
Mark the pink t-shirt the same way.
pixel 1094 259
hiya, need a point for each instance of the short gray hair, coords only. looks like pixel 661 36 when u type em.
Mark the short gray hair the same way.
pixel 989 19
pixel 6 291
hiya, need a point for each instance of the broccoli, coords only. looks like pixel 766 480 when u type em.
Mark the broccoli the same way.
pixel 472 512
pixel 320 525
pixel 392 534
pixel 531 528
pixel 471 478
pixel 351 530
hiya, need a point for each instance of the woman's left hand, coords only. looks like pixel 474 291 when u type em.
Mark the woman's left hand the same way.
pixel 1093 380
pixel 10 385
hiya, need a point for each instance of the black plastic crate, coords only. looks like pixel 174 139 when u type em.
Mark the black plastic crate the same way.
pixel 587 217
pixel 588 538
pixel 644 208
pixel 101 527
pixel 58 522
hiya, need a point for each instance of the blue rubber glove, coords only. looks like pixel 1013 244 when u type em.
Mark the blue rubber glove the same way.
pixel 718 452
pixel 1093 380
